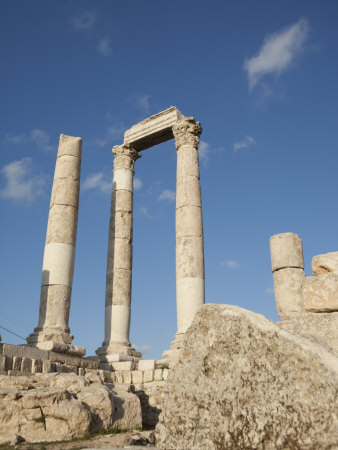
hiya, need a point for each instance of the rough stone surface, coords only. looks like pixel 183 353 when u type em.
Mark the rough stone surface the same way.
pixel 53 407
pixel 321 293
pixel 243 383
pixel 323 264
pixel 321 328
pixel 289 298
pixel 286 251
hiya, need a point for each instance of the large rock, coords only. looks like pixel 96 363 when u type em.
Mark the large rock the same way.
pixel 55 406
pixel 243 383
pixel 321 328
pixel 326 263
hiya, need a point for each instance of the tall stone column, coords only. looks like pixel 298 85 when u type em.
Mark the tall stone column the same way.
pixel 53 332
pixel 116 345
pixel 189 227
pixel 288 274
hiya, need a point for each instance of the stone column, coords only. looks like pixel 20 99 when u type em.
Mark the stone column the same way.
pixel 53 332
pixel 116 345
pixel 288 274
pixel 189 227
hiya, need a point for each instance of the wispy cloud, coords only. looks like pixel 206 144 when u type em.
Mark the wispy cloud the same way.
pixel 83 20
pixel 144 212
pixel 99 182
pixel 140 102
pixel 39 137
pixel 23 184
pixel 137 183
pixel 203 152
pixel 277 53
pixel 230 264
pixel 167 195
pixel 269 291
pixel 114 131
pixel 104 46
pixel 244 143
pixel 142 348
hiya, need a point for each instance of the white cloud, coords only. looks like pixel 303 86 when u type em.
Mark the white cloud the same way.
pixel 140 102
pixel 39 137
pixel 99 182
pixel 203 152
pixel 167 195
pixel 277 52
pixel 137 184
pixel 269 291
pixel 104 46
pixel 84 20
pixel 244 143
pixel 142 348
pixel 22 184
pixel 230 264
pixel 144 212
pixel 114 131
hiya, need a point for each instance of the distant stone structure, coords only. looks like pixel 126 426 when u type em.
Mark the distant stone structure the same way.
pixel 295 293
pixel 52 332
pixel 156 129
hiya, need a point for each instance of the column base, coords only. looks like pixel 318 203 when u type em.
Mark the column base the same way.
pixel 172 355
pixel 118 353
pixel 56 340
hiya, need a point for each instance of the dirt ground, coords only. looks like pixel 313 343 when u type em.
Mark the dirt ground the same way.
pixel 129 439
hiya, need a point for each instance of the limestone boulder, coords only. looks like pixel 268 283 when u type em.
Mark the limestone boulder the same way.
pixel 321 328
pixel 323 264
pixel 242 382
pixel 128 414
pixel 321 293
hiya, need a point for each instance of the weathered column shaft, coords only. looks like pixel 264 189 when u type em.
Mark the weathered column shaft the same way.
pixel 58 261
pixel 288 274
pixel 189 224
pixel 119 259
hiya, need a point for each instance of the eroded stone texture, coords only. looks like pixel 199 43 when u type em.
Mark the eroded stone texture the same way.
pixel 59 255
pixel 119 259
pixel 324 264
pixel 321 293
pixel 288 273
pixel 242 382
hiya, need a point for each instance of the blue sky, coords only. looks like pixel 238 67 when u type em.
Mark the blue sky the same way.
pixel 262 79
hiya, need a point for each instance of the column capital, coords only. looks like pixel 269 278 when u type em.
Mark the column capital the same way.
pixel 187 132
pixel 125 156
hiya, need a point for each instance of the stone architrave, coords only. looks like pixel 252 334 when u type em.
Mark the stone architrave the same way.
pixel 189 229
pixel 52 332
pixel 116 345
pixel 288 274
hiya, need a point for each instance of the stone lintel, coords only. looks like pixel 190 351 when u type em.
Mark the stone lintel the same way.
pixel 153 130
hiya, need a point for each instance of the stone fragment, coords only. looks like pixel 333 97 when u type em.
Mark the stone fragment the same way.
pixel 289 298
pixel 128 414
pixel 321 293
pixel 146 364
pixel 242 382
pixel 323 264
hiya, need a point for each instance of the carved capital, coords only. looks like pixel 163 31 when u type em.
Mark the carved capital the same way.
pixel 125 156
pixel 187 131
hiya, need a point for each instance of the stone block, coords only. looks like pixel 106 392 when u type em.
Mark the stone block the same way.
pixel 121 252
pixel 158 375
pixel 16 365
pixel 121 225
pixel 87 363
pixel 48 366
pixel 126 376
pixel 57 300
pixel 119 282
pixel 119 377
pixel 165 374
pixel 321 293
pixel 65 359
pixel 27 365
pixel 189 257
pixel 137 377
pixel 122 200
pixel 81 372
pixel 65 192
pixel 286 251
pixel 67 166
pixel 189 222
pixel 188 191
pixel 187 162
pixel 148 376
pixel 146 364
pixel 62 224
pixel 26 351
pixel 105 366
pixel 58 264
pixel 153 130
pixel 124 365
pixel 324 264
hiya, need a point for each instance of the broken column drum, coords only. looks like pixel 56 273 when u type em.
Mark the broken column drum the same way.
pixel 119 259
pixel 288 274
pixel 189 224
pixel 53 331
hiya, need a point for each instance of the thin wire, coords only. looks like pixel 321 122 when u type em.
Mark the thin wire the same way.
pixel 9 331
